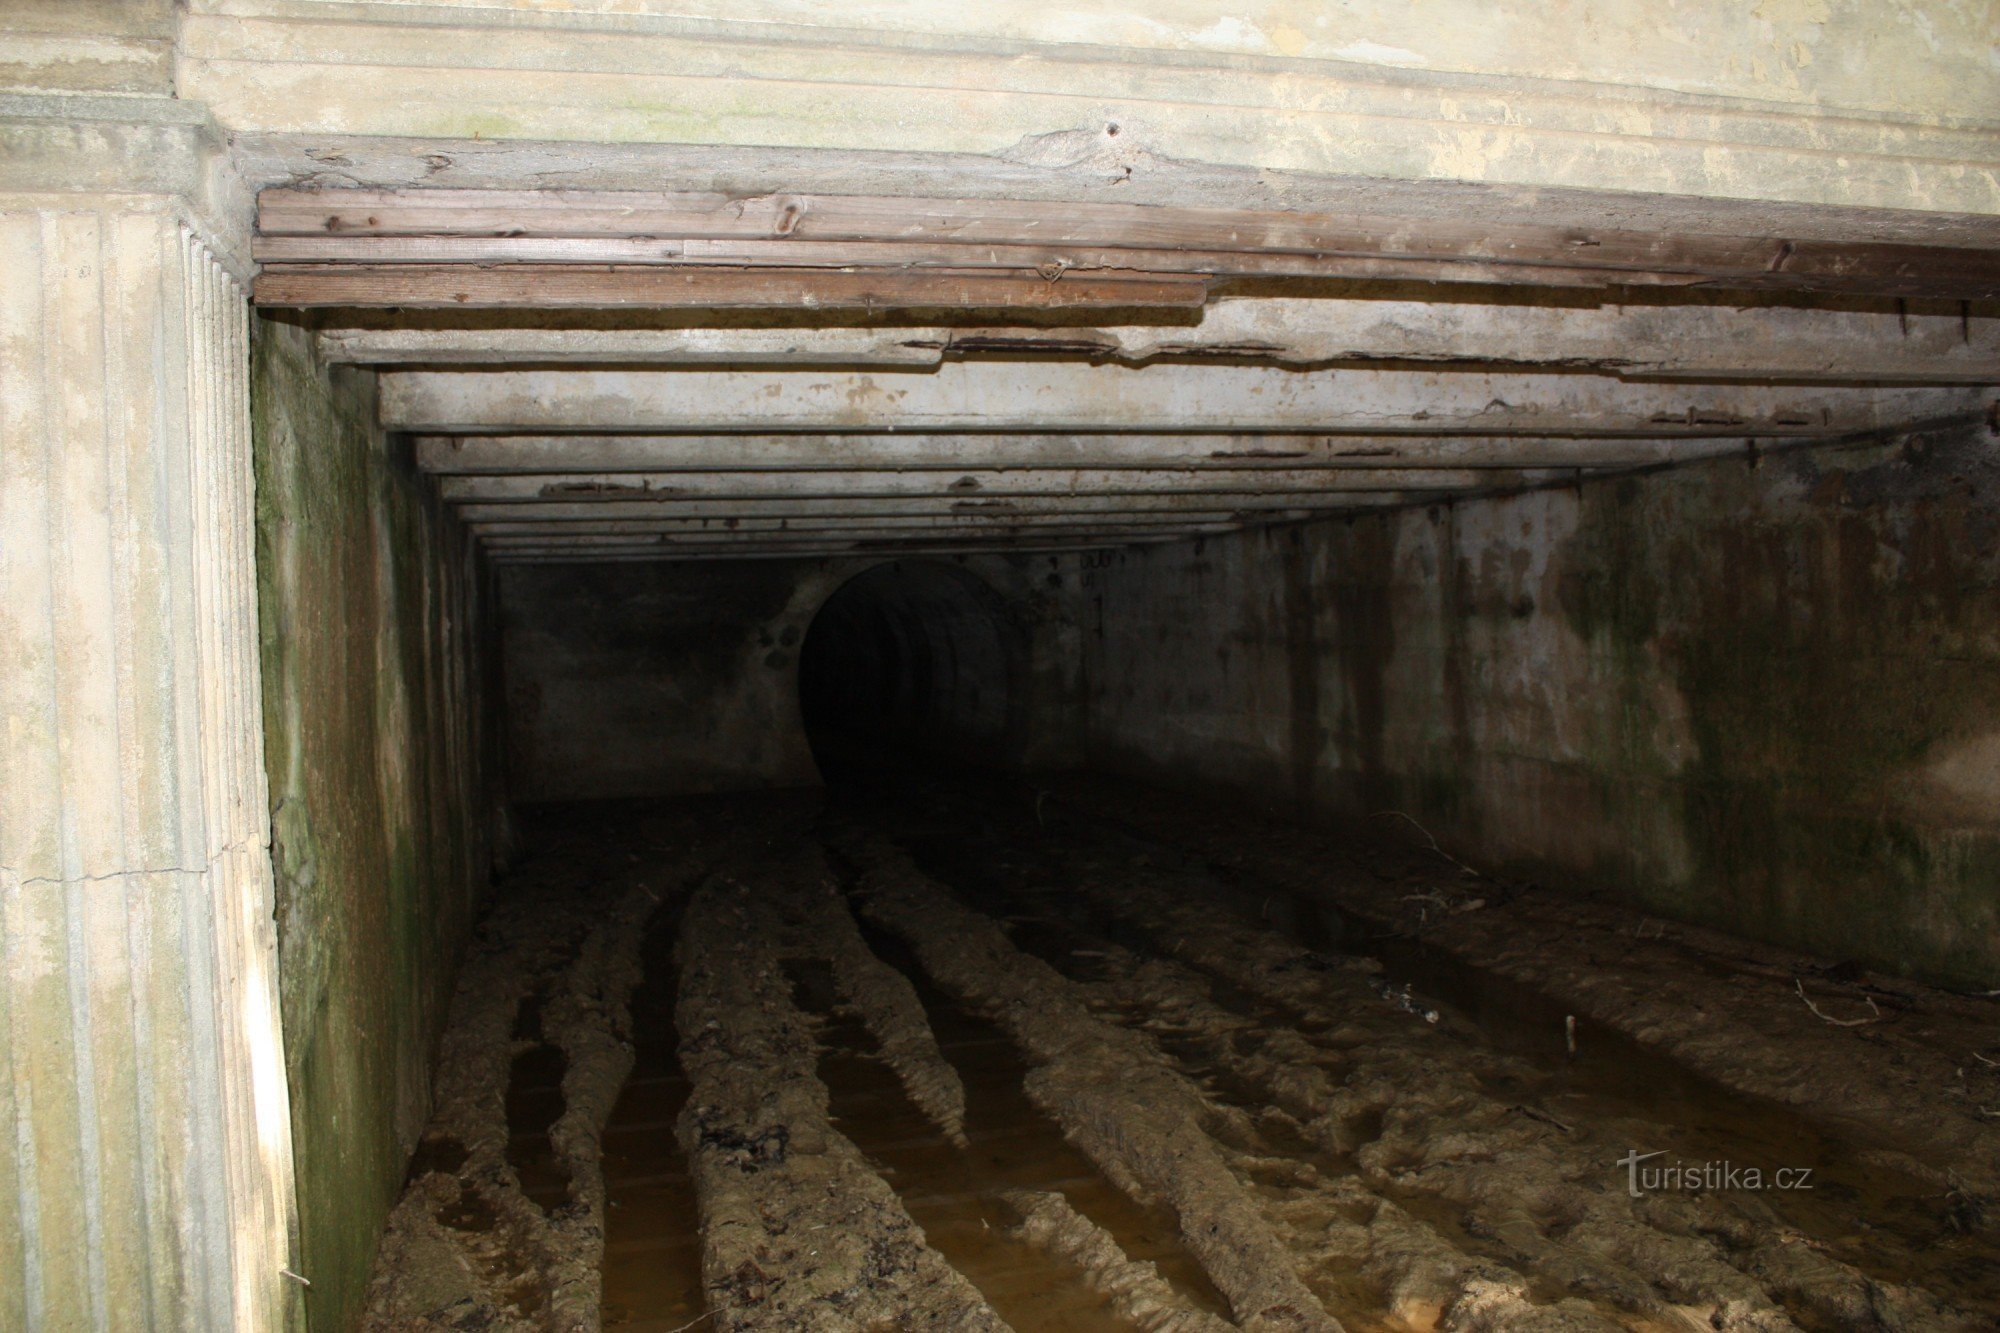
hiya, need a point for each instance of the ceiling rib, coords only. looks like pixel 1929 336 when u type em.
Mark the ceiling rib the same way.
pixel 1157 415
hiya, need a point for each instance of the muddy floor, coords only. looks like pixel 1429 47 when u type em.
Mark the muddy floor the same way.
pixel 932 1052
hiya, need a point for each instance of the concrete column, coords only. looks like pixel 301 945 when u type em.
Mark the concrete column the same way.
pixel 145 1154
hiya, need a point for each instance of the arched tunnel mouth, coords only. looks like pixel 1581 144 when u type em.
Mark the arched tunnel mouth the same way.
pixel 911 659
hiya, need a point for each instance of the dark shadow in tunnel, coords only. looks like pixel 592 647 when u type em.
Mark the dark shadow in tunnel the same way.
pixel 911 658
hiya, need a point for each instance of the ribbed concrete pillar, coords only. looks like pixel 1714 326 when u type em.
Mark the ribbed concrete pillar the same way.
pixel 145 1157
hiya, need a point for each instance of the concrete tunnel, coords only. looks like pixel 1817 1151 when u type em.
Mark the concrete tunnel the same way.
pixel 1103 667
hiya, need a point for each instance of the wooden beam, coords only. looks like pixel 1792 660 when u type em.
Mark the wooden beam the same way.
pixel 610 486
pixel 561 286
pixel 557 555
pixel 430 346
pixel 894 523
pixel 464 455
pixel 1756 261
pixel 725 508
pixel 542 253
pixel 772 540
pixel 1078 397
pixel 1653 341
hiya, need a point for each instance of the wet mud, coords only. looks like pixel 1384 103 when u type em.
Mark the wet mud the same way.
pixel 955 1054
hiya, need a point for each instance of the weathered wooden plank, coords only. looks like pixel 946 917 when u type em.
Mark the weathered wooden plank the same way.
pixel 722 509
pixel 505 213
pixel 1737 260
pixel 1046 395
pixel 466 286
pixel 1047 260
pixel 939 522
pixel 561 555
pixel 820 536
pixel 499 454
pixel 972 483
pixel 1651 340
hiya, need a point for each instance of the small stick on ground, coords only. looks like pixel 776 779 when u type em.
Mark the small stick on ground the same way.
pixel 1824 1017
pixel 1432 840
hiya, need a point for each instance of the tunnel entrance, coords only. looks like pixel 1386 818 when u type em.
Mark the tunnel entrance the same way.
pixel 912 656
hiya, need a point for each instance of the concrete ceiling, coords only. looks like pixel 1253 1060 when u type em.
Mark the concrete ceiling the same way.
pixel 680 377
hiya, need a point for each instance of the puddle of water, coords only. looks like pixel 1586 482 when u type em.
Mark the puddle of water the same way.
pixel 954 1194
pixel 534 1103
pixel 652 1242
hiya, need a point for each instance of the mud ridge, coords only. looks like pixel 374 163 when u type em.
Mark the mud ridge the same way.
pixel 1411 1110
pixel 1110 1090
pixel 884 998
pixel 1140 1295
pixel 1724 1007
pixel 465 1248
pixel 798 1231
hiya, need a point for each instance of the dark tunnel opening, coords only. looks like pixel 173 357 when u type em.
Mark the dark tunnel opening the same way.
pixel 913 657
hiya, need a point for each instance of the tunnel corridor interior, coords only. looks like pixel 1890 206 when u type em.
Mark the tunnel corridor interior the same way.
pixel 1129 861
pixel 769 667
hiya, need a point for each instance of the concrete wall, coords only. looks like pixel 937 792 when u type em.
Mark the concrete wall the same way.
pixel 145 1164
pixel 1765 698
pixel 1870 103
pixel 381 787
pixel 640 679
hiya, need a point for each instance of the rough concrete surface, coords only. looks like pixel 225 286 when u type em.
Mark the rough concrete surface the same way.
pixel 376 680
pixel 1757 695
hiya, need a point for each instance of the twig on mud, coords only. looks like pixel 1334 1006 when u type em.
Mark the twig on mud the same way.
pixel 1398 814
pixel 1542 1116
pixel 1800 987
pixel 1985 1060
pixel 702 1318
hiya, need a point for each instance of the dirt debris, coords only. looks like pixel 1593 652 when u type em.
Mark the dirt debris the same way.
pixel 798 1231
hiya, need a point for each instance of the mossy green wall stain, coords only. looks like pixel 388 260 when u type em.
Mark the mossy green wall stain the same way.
pixel 1798 609
pixel 378 791
pixel 1720 691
